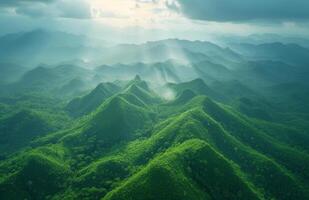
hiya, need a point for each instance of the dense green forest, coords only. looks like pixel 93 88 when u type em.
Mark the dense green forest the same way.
pixel 203 122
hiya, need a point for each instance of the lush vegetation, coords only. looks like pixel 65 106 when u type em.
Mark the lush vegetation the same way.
pixel 220 136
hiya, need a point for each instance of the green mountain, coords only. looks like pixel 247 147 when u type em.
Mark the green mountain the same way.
pixel 198 86
pixel 140 90
pixel 47 80
pixel 74 87
pixel 134 145
pixel 88 103
pixel 184 97
pixel 178 174
pixel 17 130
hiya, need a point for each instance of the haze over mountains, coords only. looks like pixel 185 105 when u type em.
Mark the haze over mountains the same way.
pixel 82 118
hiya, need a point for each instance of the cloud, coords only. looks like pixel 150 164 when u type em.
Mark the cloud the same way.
pixel 35 10
pixel 79 9
pixel 16 3
pixel 243 10
pixel 134 10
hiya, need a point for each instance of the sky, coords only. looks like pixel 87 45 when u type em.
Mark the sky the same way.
pixel 140 20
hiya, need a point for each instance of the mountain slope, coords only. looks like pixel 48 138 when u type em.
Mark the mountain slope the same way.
pixel 290 53
pixel 178 174
pixel 41 46
pixel 40 175
pixel 46 80
pixel 198 86
pixel 17 130
pixel 88 103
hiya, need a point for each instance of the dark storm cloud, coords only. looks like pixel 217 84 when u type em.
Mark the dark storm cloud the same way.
pixel 244 10
pixel 79 9
pixel 14 3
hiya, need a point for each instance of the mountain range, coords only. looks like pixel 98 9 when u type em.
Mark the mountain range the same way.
pixel 169 119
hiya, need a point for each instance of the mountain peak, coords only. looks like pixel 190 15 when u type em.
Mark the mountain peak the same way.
pixel 137 81
pixel 124 119
pixel 137 78
pixel 88 103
